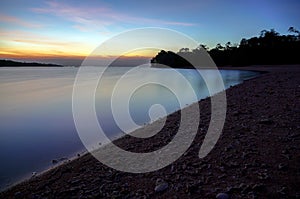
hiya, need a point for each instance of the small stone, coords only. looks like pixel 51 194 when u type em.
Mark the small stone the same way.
pixel 285 151
pixel 54 161
pixel 34 174
pixel 192 188
pixel 263 176
pixel 247 189
pixel 242 185
pixel 75 181
pixel 172 168
pixel 266 121
pixel 221 176
pixel 283 190
pixel 259 187
pixel 222 196
pixel 161 185
pixel 282 166
pixel 18 195
pixel 236 113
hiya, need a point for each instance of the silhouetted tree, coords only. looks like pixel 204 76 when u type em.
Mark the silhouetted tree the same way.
pixel 293 30
pixel 269 48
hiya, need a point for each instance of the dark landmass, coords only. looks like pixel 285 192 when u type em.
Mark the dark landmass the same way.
pixel 170 59
pixel 257 155
pixel 270 48
pixel 10 63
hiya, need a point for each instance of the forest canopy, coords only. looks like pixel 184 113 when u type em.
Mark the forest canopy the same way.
pixel 269 48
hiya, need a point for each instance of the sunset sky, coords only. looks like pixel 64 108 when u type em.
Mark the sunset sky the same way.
pixel 67 31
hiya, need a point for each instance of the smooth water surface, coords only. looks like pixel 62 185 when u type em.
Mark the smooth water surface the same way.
pixel 36 122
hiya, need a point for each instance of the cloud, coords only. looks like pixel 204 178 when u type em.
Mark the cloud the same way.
pixel 84 18
pixel 46 42
pixel 18 21
pixel 99 18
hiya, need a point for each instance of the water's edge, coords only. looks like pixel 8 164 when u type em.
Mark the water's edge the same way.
pixel 74 156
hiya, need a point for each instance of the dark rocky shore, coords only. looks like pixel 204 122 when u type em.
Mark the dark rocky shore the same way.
pixel 257 155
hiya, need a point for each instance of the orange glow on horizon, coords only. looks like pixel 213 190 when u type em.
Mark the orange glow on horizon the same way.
pixel 43 53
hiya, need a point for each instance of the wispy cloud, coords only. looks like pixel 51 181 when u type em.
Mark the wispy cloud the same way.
pixel 84 18
pixel 46 42
pixel 18 21
pixel 160 22
pixel 99 18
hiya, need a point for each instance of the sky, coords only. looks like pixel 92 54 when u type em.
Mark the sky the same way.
pixel 66 31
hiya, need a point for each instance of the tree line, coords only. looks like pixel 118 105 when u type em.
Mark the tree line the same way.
pixel 10 63
pixel 268 48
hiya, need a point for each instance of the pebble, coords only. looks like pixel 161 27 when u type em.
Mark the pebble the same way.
pixel 282 166
pixel 161 185
pixel 54 161
pixel 283 190
pixel 263 176
pixel 18 195
pixel 259 187
pixel 266 121
pixel 233 189
pixel 250 155
pixel 222 196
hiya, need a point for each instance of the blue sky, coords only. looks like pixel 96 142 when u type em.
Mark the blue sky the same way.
pixel 60 28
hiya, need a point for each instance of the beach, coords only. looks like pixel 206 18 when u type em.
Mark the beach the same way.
pixel 257 155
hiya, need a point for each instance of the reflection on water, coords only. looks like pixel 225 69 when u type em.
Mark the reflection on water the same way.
pixel 36 122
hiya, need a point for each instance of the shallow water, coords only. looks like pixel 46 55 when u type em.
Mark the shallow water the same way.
pixel 36 121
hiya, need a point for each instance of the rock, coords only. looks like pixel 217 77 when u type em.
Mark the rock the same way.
pixel 233 189
pixel 282 166
pixel 18 195
pixel 221 176
pixel 266 121
pixel 283 191
pixel 259 187
pixel 246 189
pixel 75 181
pixel 263 176
pixel 236 113
pixel 172 168
pixel 222 196
pixel 285 151
pixel 161 185
pixel 54 161
pixel 233 165
pixel 192 188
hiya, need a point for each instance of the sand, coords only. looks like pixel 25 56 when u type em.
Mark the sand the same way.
pixel 257 155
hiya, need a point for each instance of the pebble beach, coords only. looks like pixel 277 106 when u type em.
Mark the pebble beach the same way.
pixel 256 156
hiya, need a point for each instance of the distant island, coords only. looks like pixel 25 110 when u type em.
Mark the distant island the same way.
pixel 269 48
pixel 10 63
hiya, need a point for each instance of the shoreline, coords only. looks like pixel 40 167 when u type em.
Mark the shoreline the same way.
pixel 190 176
pixel 69 157
pixel 66 158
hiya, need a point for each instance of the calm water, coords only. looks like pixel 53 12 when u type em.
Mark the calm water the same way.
pixel 36 122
